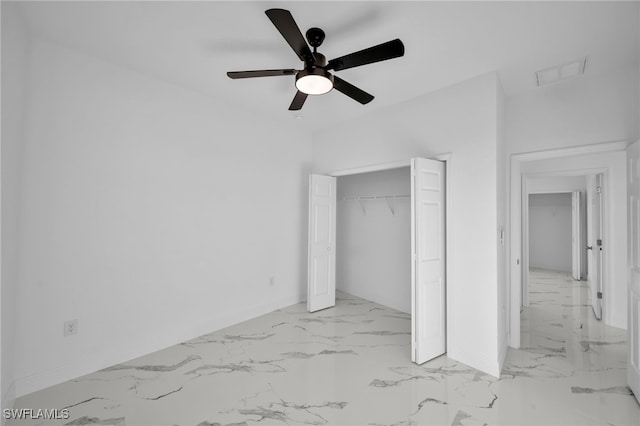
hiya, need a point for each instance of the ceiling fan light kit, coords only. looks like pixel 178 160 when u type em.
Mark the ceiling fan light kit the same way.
pixel 315 78
pixel 314 81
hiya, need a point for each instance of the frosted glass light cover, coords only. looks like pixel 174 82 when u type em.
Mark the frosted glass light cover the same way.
pixel 314 84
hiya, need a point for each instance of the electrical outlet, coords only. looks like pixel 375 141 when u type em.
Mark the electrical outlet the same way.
pixel 70 327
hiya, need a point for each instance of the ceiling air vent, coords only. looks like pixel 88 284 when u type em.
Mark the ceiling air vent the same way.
pixel 561 72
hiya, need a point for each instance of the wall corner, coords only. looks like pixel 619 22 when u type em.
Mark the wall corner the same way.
pixel 8 400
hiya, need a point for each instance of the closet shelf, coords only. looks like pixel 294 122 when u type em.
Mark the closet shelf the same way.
pixel 388 198
pixel 374 197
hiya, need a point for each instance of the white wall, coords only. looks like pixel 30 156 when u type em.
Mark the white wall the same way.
pixel 14 51
pixel 585 110
pixel 550 232
pixel 373 250
pixel 461 120
pixel 501 230
pixel 151 214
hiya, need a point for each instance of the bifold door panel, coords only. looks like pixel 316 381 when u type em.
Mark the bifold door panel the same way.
pixel 321 280
pixel 633 313
pixel 428 326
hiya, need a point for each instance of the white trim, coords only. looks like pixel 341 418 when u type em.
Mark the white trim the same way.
pixel 448 241
pixel 386 166
pixel 525 242
pixel 560 191
pixel 565 173
pixel 606 233
pixel 372 168
pixel 571 152
pixel 515 252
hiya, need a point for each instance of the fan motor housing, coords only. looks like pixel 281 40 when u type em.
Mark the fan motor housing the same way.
pixel 315 36
pixel 321 60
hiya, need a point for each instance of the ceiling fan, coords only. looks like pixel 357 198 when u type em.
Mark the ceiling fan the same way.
pixel 315 78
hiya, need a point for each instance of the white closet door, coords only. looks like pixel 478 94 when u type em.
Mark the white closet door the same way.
pixel 633 314
pixel 428 338
pixel 321 267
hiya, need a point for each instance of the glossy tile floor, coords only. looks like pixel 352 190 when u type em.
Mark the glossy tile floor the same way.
pixel 350 366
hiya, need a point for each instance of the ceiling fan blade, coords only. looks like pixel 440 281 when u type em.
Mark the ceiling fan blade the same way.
pixel 260 73
pixel 298 101
pixel 284 22
pixel 381 52
pixel 352 91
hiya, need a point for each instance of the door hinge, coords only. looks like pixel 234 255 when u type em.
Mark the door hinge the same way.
pixel 599 295
pixel 599 243
pixel 598 189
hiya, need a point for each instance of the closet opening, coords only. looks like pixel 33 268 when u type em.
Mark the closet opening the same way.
pixel 379 233
pixel 373 237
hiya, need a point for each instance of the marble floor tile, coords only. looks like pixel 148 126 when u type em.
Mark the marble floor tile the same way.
pixel 350 365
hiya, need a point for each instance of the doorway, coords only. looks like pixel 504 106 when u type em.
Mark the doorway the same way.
pixel 563 230
pixel 551 233
pixel 373 238
pixel 608 159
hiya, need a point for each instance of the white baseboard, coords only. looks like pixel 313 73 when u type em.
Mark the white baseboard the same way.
pixel 8 399
pixel 611 320
pixel 54 376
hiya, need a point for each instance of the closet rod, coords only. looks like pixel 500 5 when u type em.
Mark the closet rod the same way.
pixel 374 197
pixel 387 198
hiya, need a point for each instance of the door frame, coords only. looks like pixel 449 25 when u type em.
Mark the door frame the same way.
pixel 447 158
pixel 517 216
pixel 633 369
pixel 577 244
pixel 599 180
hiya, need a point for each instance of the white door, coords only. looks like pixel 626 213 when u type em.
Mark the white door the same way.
pixel 321 266
pixel 576 228
pixel 428 338
pixel 633 321
pixel 595 247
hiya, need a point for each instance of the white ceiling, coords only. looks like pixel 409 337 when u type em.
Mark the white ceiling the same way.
pixel 193 44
